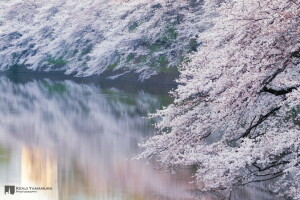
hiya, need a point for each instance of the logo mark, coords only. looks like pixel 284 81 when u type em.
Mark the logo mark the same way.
pixel 10 189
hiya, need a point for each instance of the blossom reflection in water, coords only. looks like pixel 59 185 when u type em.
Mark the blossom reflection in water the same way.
pixel 79 139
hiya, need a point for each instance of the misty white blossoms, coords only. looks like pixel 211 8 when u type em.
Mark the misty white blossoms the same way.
pixel 88 37
pixel 237 109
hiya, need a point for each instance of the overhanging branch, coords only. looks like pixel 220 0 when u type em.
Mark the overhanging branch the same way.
pixel 278 92
pixel 261 119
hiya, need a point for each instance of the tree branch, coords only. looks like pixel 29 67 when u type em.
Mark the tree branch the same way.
pixel 278 92
pixel 261 119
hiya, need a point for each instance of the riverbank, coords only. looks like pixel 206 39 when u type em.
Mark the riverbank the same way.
pixel 162 78
pixel 157 84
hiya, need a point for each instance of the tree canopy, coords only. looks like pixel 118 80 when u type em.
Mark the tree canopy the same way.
pixel 236 113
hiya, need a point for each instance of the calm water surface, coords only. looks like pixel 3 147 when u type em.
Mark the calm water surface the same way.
pixel 79 138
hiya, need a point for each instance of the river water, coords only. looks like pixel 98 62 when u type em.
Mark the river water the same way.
pixel 78 139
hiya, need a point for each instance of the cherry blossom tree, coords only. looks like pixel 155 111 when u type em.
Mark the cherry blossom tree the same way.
pixel 85 38
pixel 236 113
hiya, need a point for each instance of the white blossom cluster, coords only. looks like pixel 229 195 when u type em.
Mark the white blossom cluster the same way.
pixel 88 37
pixel 237 109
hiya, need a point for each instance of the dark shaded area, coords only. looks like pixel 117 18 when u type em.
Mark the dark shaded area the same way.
pixel 157 84
pixel 278 92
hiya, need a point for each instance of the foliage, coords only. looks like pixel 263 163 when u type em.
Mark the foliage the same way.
pixel 232 114
pixel 87 37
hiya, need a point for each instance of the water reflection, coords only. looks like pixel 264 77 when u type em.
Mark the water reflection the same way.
pixel 77 139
